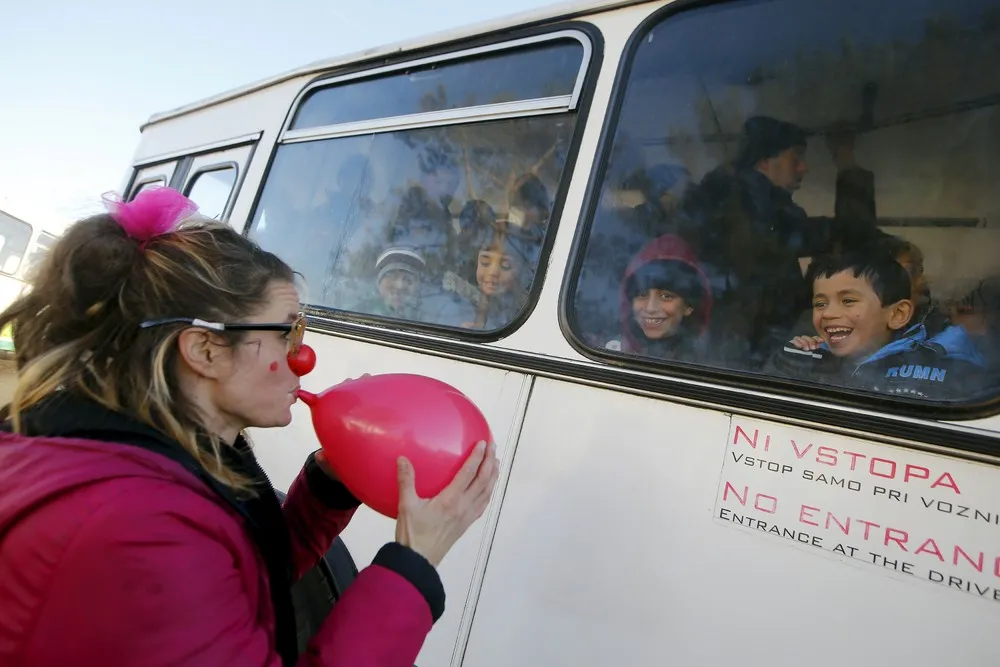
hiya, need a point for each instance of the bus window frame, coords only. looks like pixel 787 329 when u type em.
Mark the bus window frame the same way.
pixel 434 118
pixel 32 231
pixel 139 185
pixel 33 249
pixel 499 40
pixel 191 179
pixel 182 160
pixel 729 381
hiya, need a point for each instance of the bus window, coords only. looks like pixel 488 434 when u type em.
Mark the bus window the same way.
pixel 146 185
pixel 546 70
pixel 43 244
pixel 804 192
pixel 438 225
pixel 14 237
pixel 211 190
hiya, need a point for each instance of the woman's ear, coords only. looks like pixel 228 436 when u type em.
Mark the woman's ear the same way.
pixel 203 353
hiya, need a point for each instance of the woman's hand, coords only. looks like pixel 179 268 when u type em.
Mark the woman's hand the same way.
pixel 807 342
pixel 431 526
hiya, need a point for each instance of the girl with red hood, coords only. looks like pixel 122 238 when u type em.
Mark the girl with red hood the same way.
pixel 666 302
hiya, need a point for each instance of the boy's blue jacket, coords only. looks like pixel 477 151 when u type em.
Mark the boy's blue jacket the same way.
pixel 947 366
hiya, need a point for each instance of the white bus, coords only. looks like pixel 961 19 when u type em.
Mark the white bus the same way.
pixel 660 504
pixel 22 247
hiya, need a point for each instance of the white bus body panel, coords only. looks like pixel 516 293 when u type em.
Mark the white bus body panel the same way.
pixel 607 552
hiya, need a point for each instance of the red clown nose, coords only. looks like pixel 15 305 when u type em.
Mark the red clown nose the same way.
pixel 303 361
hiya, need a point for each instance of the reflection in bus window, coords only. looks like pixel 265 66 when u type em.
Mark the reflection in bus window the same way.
pixel 437 225
pixel 345 212
pixel 14 237
pixel 211 190
pixel 815 200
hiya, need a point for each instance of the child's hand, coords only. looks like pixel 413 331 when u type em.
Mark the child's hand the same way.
pixel 807 342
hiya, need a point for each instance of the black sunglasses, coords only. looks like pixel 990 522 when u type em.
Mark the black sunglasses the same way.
pixel 296 328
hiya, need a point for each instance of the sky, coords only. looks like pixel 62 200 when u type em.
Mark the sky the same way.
pixel 79 79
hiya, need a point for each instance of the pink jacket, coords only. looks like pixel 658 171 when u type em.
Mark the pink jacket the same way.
pixel 113 554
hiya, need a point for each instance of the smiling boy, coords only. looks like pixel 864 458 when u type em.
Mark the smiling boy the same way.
pixel 859 304
pixel 862 309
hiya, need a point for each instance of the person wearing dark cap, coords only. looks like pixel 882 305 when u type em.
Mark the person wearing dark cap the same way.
pixel 750 236
pixel 776 150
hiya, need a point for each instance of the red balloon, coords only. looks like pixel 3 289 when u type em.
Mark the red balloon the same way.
pixel 364 425
pixel 303 361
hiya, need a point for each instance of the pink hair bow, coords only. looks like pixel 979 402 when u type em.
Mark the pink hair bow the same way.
pixel 153 212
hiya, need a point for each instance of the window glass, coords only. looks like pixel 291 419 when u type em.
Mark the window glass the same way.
pixel 14 237
pixel 41 248
pixel 546 70
pixel 159 182
pixel 806 190
pixel 442 226
pixel 211 190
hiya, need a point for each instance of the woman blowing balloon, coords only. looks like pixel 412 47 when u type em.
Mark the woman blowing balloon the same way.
pixel 136 527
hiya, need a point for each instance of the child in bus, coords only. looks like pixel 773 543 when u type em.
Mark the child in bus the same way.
pixel 911 258
pixel 399 274
pixel 666 302
pixel 978 312
pixel 505 264
pixel 475 216
pixel 862 313
pixel 925 309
